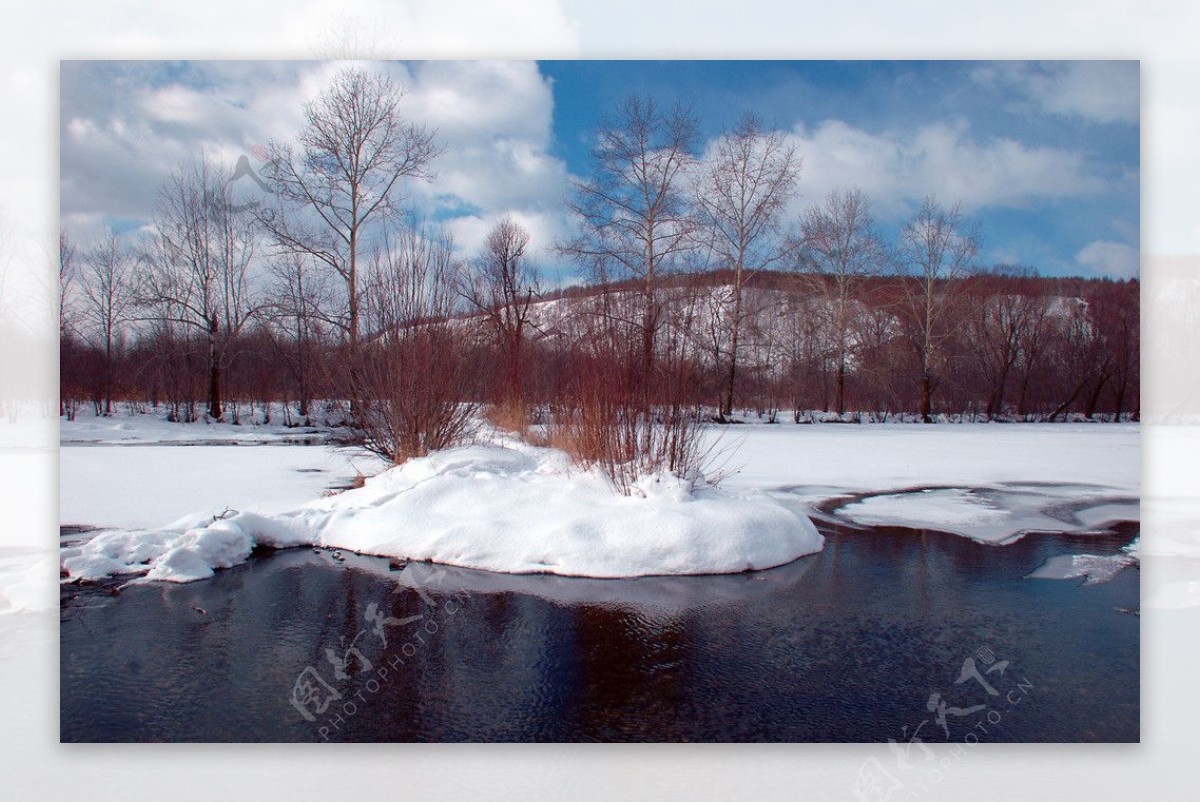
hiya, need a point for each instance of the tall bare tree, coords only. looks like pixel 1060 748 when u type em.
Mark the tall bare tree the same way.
pixel 346 175
pixel 839 238
pixel 501 286
pixel 939 246
pixel 741 194
pixel 198 267
pixel 634 212
pixel 107 296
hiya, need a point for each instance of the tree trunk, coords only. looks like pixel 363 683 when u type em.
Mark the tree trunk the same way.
pixel 735 332
pixel 841 384
pixel 108 375
pixel 1094 397
pixel 648 332
pixel 517 389
pixel 926 397
pixel 1120 401
pixel 352 309
pixel 1022 407
pixel 214 369
pixel 995 403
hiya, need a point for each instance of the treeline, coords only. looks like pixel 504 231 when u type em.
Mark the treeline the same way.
pixel 327 297
pixel 1021 348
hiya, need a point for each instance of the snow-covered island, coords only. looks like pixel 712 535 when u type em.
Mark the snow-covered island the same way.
pixel 506 508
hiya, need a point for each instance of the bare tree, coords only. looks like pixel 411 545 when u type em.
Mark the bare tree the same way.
pixel 501 285
pixel 1001 321
pixel 68 270
pixel 1035 338
pixel 354 151
pixel 740 196
pixel 939 247
pixel 412 387
pixel 839 237
pixel 1120 315
pixel 633 212
pixel 107 294
pixel 203 248
pixel 298 310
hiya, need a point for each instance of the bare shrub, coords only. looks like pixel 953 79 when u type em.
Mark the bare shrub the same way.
pixel 601 418
pixel 412 388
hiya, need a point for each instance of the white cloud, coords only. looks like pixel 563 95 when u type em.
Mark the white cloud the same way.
pixel 125 128
pixel 496 122
pixel 1099 91
pixel 898 168
pixel 544 229
pixel 1108 258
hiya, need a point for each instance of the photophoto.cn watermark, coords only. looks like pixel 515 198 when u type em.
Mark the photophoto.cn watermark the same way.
pixel 371 657
pixel 987 690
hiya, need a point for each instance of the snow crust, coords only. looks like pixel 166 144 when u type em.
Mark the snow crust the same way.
pixel 504 508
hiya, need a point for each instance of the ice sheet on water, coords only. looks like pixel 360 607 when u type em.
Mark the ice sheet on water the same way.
pixel 1096 568
pixel 992 515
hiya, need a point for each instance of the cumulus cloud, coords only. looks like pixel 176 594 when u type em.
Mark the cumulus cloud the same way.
pixel 1099 91
pixel 125 126
pixel 496 122
pixel 898 168
pixel 1109 258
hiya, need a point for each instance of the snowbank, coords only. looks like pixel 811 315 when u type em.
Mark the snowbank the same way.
pixel 514 509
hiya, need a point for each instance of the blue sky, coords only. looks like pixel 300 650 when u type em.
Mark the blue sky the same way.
pixel 1044 155
pixel 990 102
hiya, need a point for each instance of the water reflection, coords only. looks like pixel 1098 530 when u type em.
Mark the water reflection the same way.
pixel 845 645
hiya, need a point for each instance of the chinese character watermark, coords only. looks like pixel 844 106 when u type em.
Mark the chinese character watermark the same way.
pixel 318 701
pixel 953 713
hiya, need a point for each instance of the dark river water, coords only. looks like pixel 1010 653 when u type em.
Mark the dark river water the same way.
pixel 885 633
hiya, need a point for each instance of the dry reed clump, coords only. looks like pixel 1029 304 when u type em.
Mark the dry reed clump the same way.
pixel 606 422
pixel 508 416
